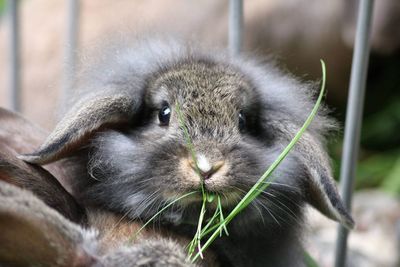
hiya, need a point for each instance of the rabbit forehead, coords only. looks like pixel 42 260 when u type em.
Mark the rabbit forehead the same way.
pixel 208 84
pixel 210 96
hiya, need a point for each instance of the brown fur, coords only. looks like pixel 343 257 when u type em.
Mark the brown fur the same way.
pixel 16 135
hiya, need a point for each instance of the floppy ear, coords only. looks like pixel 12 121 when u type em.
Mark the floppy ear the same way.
pixel 320 189
pixel 86 117
pixel 32 234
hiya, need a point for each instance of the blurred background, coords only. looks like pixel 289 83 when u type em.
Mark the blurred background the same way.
pixel 296 33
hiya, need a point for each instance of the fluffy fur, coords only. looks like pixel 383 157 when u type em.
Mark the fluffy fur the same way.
pixel 135 164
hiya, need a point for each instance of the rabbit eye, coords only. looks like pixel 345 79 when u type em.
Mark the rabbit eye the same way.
pixel 164 114
pixel 242 121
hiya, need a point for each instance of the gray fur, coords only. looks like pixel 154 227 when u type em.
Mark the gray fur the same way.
pixel 141 165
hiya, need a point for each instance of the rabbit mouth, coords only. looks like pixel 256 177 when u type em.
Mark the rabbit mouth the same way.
pixel 209 174
pixel 228 199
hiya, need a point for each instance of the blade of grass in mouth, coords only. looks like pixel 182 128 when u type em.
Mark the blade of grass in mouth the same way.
pixel 190 145
pixel 260 186
pixel 197 238
pixel 208 197
pixel 158 213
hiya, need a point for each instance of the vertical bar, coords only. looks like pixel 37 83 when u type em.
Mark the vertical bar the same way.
pixel 355 103
pixel 71 47
pixel 235 26
pixel 14 46
pixel 398 241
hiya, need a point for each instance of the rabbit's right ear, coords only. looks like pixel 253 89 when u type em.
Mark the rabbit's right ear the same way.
pixel 32 234
pixel 85 117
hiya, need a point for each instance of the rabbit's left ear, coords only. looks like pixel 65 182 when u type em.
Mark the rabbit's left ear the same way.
pixel 86 117
pixel 319 186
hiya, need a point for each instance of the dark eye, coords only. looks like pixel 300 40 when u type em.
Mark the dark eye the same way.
pixel 242 121
pixel 164 114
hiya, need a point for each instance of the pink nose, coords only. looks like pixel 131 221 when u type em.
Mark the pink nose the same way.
pixel 206 170
pixel 207 175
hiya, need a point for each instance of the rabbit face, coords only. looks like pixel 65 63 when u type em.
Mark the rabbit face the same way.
pixel 153 163
pixel 239 115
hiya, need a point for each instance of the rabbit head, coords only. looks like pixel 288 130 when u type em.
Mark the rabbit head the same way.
pixel 156 115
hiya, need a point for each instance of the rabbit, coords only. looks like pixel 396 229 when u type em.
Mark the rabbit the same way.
pixel 239 112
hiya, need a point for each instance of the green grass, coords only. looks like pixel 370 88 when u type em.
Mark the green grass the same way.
pixel 207 197
pixel 159 213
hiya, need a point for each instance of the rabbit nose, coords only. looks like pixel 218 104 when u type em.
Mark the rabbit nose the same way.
pixel 204 167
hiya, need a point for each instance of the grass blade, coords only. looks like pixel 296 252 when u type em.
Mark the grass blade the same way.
pixel 261 185
pixel 222 219
pixel 158 213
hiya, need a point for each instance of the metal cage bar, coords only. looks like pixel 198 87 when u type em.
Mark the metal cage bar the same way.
pixel 14 47
pixel 354 112
pixel 235 26
pixel 72 39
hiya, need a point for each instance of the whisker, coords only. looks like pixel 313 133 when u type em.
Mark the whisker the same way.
pixel 144 203
pixel 281 184
pixel 268 182
pixel 280 194
pixel 292 215
pixel 284 208
pixel 270 213
pixel 120 220
pixel 258 209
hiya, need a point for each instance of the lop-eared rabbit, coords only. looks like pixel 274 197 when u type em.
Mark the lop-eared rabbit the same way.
pixel 121 153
